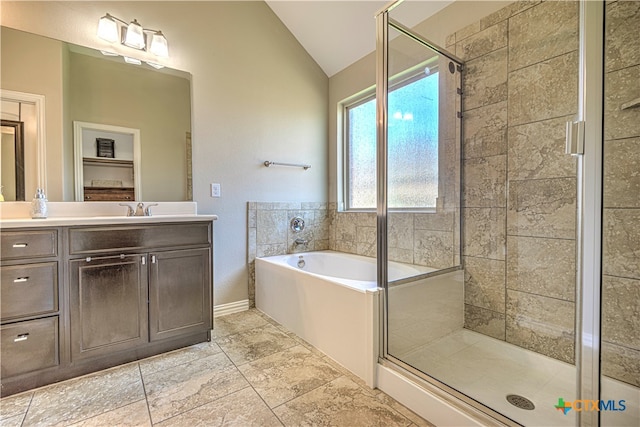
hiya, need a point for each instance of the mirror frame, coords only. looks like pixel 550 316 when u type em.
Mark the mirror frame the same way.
pixel 41 154
pixel 18 144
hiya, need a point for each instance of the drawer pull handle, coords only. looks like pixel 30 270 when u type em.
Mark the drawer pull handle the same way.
pixel 20 245
pixel 21 337
pixel 21 279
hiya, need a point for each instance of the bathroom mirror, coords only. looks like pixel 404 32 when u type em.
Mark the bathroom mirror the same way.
pixel 12 160
pixel 101 89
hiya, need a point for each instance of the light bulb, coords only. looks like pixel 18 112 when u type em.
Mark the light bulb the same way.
pixel 135 35
pixel 108 29
pixel 159 45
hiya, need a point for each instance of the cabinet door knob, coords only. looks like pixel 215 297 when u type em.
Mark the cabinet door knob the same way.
pixel 20 245
pixel 21 279
pixel 153 259
pixel 21 337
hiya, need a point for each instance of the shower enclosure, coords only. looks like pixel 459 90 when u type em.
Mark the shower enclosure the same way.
pixel 531 312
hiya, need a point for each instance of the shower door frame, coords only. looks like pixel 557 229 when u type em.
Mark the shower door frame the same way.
pixel 588 211
pixel 482 413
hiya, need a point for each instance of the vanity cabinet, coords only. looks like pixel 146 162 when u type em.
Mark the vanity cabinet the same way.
pixel 77 299
pixel 108 304
pixel 131 286
pixel 30 306
pixel 179 293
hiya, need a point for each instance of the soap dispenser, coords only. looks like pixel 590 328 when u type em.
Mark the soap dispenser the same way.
pixel 39 205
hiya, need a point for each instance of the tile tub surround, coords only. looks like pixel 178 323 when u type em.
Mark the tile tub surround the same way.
pixel 269 231
pixel 426 239
pixel 519 197
pixel 224 382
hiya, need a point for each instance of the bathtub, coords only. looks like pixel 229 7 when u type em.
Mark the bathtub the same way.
pixel 331 302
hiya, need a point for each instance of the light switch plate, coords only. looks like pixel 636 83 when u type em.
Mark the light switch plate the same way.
pixel 215 190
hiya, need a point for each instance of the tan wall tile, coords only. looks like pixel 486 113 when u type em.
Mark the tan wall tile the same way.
pixel 484 283
pixel 545 31
pixel 542 208
pixel 484 321
pixel 271 226
pixel 621 311
pixel 433 248
pixel 507 12
pixel 622 173
pixel 486 80
pixel 620 243
pixel 622 41
pixel 485 131
pixel 621 87
pixel 484 182
pixel 541 324
pixel 544 90
pixel 484 232
pixel 621 363
pixel 542 266
pixel 483 42
pixel 537 150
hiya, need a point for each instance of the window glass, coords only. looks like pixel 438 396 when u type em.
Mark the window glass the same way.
pixel 412 144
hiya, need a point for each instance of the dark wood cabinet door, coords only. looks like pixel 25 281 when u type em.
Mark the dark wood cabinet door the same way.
pixel 108 304
pixel 179 293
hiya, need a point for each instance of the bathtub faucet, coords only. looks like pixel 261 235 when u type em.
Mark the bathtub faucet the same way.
pixel 301 242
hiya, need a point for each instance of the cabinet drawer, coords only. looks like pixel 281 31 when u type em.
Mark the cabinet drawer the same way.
pixel 29 244
pixel 29 346
pixel 29 289
pixel 99 239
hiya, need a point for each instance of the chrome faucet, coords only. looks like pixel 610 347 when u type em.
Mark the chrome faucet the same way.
pixel 140 209
pixel 301 241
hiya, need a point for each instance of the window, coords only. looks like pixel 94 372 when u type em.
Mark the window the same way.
pixel 412 145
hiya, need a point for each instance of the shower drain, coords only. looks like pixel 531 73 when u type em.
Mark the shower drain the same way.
pixel 520 402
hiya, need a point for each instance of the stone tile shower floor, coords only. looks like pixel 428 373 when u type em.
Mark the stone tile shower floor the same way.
pixel 253 372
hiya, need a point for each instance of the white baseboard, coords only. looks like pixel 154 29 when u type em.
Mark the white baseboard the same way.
pixel 232 307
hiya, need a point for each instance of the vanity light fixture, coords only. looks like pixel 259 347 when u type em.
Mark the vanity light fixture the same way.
pixel 113 29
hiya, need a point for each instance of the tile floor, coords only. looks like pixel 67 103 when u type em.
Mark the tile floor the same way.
pixel 253 372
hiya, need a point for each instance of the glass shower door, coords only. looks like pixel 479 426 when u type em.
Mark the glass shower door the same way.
pixel 425 294
pixel 501 332
pixel 620 345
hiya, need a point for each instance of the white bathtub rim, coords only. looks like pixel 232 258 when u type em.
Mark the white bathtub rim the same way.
pixel 357 285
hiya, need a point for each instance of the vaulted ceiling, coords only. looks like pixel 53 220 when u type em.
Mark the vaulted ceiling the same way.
pixel 338 33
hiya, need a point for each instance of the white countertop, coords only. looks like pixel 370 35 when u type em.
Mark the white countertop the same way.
pixel 101 220
pixel 16 214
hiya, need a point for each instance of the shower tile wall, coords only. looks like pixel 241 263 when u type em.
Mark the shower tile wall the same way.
pixel 519 191
pixel 621 230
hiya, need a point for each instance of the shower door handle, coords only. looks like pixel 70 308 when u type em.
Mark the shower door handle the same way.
pixel 575 138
